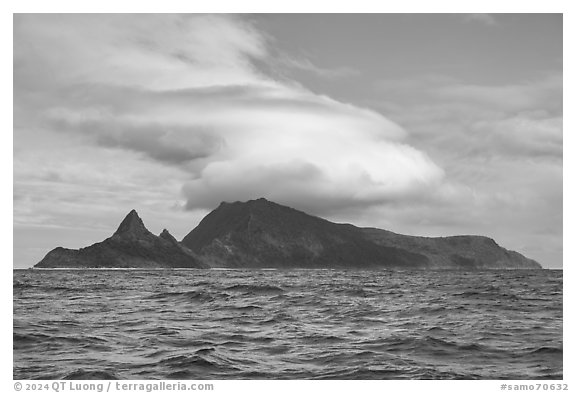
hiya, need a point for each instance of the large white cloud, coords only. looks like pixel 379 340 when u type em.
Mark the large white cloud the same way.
pixel 183 91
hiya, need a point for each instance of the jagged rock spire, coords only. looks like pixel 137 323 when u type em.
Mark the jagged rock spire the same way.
pixel 131 225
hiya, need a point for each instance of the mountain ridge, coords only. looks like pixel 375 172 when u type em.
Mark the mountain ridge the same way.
pixel 260 233
pixel 131 246
pixel 264 234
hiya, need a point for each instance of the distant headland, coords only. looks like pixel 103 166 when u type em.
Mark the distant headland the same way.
pixel 263 234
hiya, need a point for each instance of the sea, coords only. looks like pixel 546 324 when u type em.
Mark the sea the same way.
pixel 287 324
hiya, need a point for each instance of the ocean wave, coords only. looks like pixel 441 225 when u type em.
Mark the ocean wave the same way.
pixel 81 374
pixel 252 289
pixel 547 351
pixel 243 324
pixel 198 296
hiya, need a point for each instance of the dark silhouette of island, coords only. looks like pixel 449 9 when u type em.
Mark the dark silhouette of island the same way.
pixel 264 234
pixel 131 246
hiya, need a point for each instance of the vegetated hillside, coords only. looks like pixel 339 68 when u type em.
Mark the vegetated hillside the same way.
pixel 264 234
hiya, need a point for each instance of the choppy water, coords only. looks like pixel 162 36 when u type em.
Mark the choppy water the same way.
pixel 294 324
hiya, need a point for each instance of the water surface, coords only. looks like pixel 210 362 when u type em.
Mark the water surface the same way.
pixel 291 324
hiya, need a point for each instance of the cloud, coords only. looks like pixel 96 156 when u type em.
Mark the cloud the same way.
pixel 501 146
pixel 304 64
pixel 153 51
pixel 462 120
pixel 252 141
pixel 329 175
pixel 167 144
pixel 523 135
pixel 539 94
pixel 185 91
pixel 486 19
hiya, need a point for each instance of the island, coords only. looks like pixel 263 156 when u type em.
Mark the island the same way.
pixel 263 234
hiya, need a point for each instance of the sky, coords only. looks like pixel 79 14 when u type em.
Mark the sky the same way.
pixel 423 124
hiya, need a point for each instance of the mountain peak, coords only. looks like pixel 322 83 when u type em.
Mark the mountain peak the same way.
pixel 257 201
pixel 131 246
pixel 132 224
pixel 261 202
pixel 168 236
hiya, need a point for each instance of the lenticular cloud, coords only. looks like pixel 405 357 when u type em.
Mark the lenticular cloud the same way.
pixel 189 96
